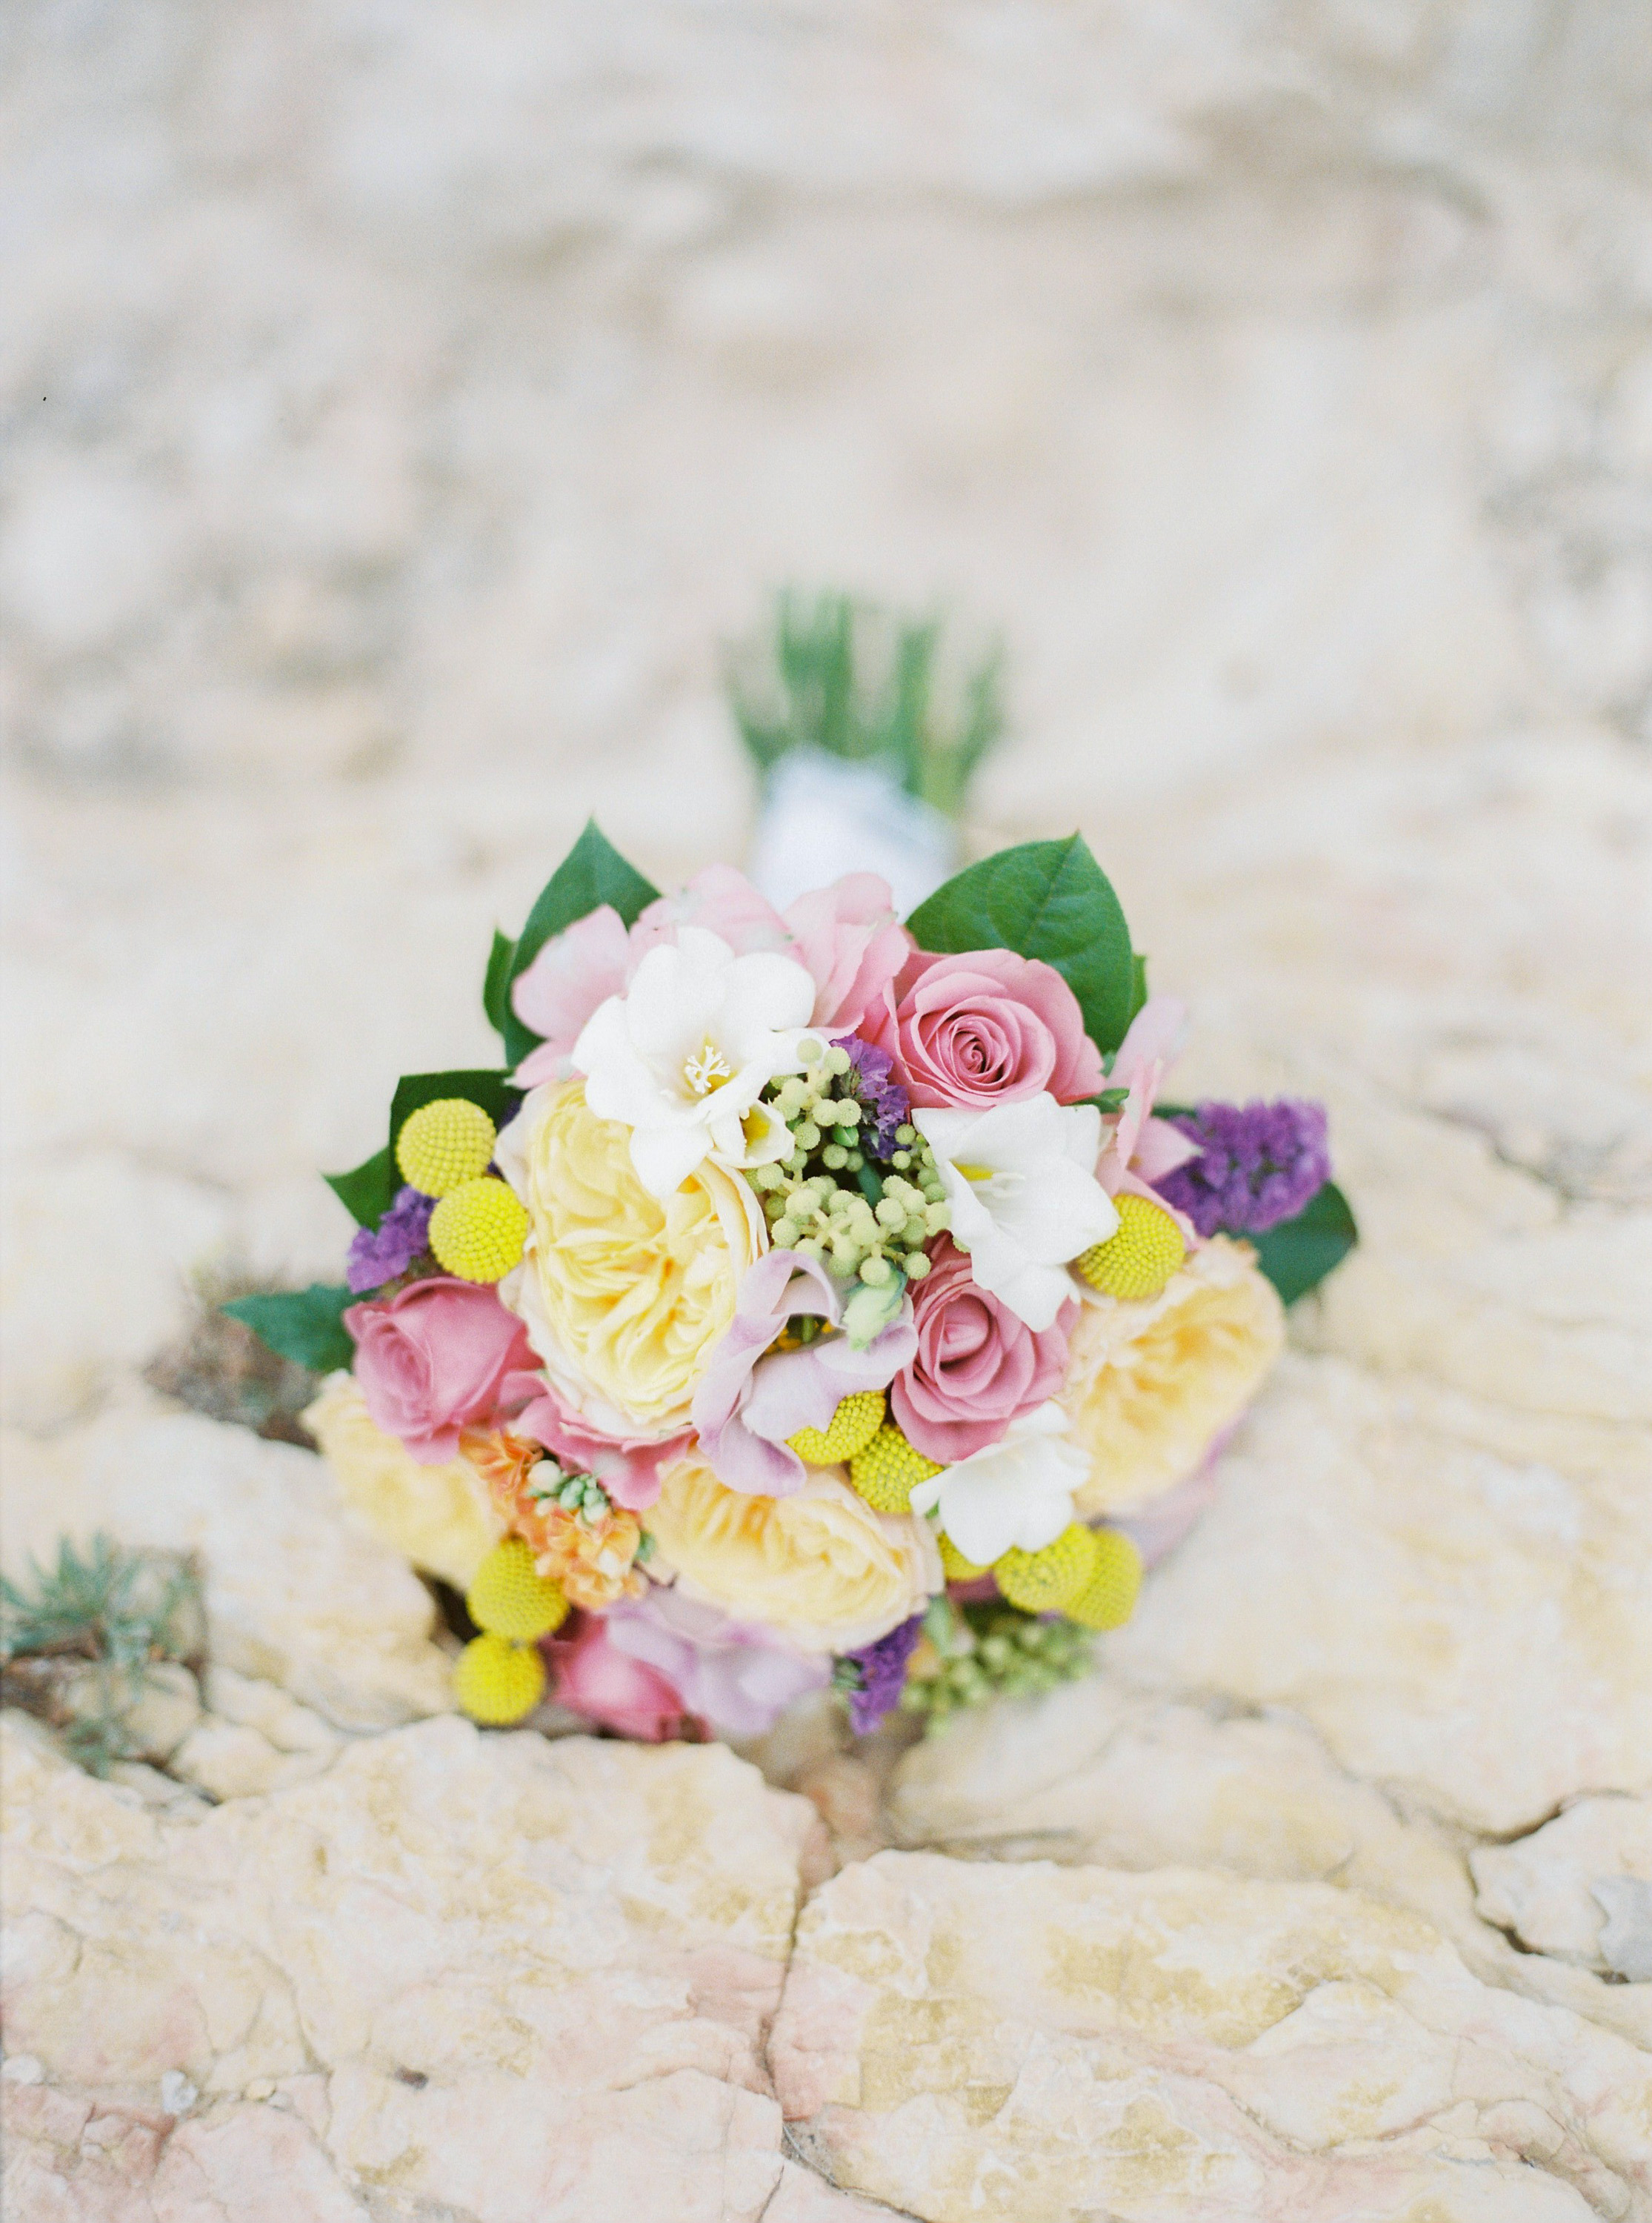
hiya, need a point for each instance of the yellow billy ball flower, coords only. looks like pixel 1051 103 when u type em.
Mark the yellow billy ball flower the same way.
pixel 851 1427
pixel 478 1230
pixel 510 1597
pixel 496 1681
pixel 889 1468
pixel 1108 1598
pixel 444 1143
pixel 1136 1261
pixel 958 1568
pixel 1047 1581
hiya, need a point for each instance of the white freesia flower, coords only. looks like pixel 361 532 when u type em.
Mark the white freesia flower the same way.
pixel 1021 1180
pixel 683 1056
pixel 1018 1492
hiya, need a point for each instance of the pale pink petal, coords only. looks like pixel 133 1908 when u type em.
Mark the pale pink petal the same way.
pixel 576 971
pixel 750 1453
pixel 739 1677
pixel 721 899
pixel 847 936
pixel 1155 1036
pixel 1160 1149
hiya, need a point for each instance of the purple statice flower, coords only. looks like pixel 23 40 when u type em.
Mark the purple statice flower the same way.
pixel 379 1254
pixel 1258 1164
pixel 882 1668
pixel 877 1089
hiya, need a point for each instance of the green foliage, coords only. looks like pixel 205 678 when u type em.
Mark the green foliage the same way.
pixel 368 1190
pixel 118 1611
pixel 593 874
pixel 303 1324
pixel 856 682
pixel 487 1085
pixel 496 983
pixel 1297 1255
pixel 1046 899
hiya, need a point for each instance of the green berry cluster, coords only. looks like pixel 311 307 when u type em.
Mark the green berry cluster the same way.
pixel 580 1494
pixel 996 1653
pixel 830 1200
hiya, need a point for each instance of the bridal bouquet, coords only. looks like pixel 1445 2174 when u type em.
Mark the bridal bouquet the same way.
pixel 805 1299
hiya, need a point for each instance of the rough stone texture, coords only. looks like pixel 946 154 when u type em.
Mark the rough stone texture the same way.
pixel 493 1977
pixel 1475 1628
pixel 257 1738
pixel 1560 1890
pixel 401 405
pixel 296 1594
pixel 976 2041
pixel 1099 1774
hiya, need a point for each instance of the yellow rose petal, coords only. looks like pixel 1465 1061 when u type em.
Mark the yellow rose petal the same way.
pixel 1149 1386
pixel 438 1517
pixel 623 1296
pixel 821 1566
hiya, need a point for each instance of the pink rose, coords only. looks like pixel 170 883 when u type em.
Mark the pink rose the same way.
pixel 438 1356
pixel 847 936
pixel 983 1029
pixel 594 1678
pixel 575 972
pixel 628 1467
pixel 976 1366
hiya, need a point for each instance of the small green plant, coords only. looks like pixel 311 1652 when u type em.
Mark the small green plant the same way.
pixel 77 1641
pixel 865 684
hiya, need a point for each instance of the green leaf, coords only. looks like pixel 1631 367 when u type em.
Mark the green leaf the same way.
pixel 1045 899
pixel 301 1324
pixel 496 986
pixel 592 872
pixel 368 1190
pixel 488 1085
pixel 1138 982
pixel 1297 1255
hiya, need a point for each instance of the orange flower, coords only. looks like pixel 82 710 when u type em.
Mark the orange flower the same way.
pixel 591 1558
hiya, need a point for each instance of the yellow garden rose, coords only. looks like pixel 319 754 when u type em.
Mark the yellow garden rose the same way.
pixel 821 1565
pixel 439 1517
pixel 1150 1385
pixel 623 1296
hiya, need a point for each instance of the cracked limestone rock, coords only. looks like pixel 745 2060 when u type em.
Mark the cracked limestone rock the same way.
pixel 1579 1888
pixel 1468 1623
pixel 979 2044
pixel 1099 1773
pixel 297 1595
pixel 486 1977
pixel 255 1738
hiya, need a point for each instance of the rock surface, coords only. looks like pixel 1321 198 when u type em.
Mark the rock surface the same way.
pixel 971 2041
pixel 493 1977
pixel 1579 1888
pixel 401 407
pixel 297 1595
pixel 1101 1773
